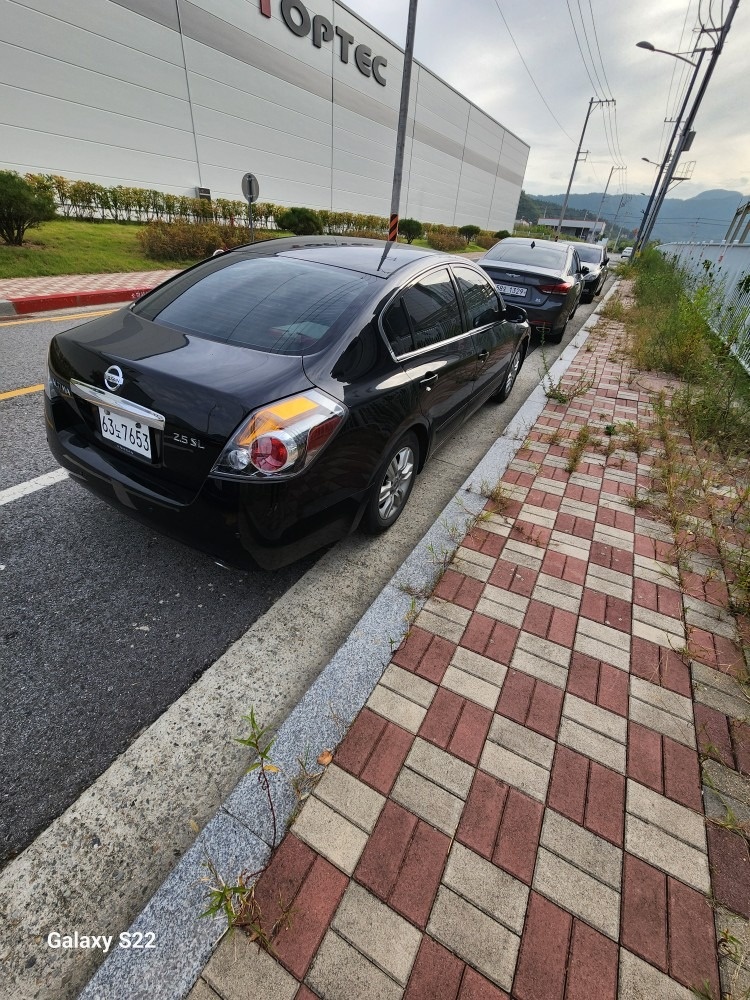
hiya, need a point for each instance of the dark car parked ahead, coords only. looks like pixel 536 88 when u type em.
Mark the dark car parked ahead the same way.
pixel 594 257
pixel 542 276
pixel 269 400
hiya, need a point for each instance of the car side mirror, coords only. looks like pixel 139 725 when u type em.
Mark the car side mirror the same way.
pixel 606 260
pixel 584 269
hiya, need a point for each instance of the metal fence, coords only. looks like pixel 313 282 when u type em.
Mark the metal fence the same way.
pixel 718 275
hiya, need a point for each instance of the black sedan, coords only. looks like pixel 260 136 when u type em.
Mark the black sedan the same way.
pixel 542 276
pixel 269 400
pixel 594 257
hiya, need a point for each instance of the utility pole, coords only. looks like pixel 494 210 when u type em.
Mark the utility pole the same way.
pixel 686 133
pixel 647 225
pixel 601 203
pixel 592 102
pixel 403 112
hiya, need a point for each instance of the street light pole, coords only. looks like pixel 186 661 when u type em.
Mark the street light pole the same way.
pixel 642 237
pixel 403 112
pixel 685 137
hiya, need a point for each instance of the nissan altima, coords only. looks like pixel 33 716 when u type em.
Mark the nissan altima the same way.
pixel 272 399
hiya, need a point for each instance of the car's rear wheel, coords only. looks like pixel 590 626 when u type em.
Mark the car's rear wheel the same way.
pixel 510 379
pixel 392 487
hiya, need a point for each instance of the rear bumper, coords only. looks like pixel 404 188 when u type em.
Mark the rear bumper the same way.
pixel 243 524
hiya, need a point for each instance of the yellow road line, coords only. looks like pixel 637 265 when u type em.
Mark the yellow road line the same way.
pixel 56 319
pixel 21 392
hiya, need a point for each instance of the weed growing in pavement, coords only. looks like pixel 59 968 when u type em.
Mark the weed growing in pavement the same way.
pixel 261 742
pixel 613 310
pixel 636 439
pixel 237 903
pixel 555 391
pixel 580 442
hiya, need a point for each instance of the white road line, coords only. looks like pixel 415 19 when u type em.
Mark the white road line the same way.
pixel 40 483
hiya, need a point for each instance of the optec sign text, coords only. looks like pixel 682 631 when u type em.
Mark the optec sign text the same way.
pixel 297 18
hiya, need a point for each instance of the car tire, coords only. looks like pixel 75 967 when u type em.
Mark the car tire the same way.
pixel 556 336
pixel 393 485
pixel 501 394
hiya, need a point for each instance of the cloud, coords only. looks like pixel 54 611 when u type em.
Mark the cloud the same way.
pixel 467 44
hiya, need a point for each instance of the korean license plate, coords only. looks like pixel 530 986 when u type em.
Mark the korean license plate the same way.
pixel 129 434
pixel 511 290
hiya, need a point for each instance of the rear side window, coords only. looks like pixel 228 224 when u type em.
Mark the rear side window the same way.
pixel 397 329
pixel 480 297
pixel 274 304
pixel 432 308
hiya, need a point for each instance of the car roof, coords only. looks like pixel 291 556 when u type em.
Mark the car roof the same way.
pixel 528 240
pixel 376 257
pixel 381 260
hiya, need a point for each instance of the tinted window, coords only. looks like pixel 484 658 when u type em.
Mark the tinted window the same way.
pixel 479 296
pixel 433 309
pixel 520 253
pixel 272 304
pixel 397 329
pixel 590 255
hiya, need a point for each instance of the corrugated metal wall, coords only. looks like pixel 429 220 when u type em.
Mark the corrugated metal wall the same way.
pixel 725 269
pixel 173 94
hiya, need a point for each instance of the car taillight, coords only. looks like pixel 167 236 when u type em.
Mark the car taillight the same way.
pixel 559 289
pixel 281 439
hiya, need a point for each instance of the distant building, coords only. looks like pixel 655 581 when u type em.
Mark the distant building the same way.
pixel 577 227
pixel 739 228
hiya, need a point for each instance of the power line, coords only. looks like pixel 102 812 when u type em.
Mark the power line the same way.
pixel 531 77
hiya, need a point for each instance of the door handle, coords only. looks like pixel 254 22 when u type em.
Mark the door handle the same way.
pixel 427 381
pixel 483 355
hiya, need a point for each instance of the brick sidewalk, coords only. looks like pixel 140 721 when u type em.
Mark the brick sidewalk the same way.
pixel 67 284
pixel 518 812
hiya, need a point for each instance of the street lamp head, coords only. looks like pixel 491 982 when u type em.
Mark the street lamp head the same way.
pixel 666 52
pixel 645 45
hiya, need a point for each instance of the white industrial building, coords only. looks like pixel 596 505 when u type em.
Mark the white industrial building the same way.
pixel 176 95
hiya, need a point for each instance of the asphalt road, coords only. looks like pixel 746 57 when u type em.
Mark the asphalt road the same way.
pixel 106 623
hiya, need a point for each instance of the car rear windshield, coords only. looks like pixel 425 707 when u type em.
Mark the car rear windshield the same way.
pixel 275 304
pixel 589 255
pixel 519 253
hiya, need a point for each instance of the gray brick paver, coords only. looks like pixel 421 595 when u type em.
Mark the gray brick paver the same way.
pixel 523 741
pixel 445 770
pixel 351 797
pixel 577 892
pixel 474 688
pixel 239 968
pixel 427 800
pixel 498 894
pixel 473 936
pixel 582 848
pixel 381 934
pixel 408 685
pixel 392 706
pixel 340 972
pixel 330 834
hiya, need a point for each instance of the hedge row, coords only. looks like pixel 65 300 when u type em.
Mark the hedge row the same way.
pixel 87 200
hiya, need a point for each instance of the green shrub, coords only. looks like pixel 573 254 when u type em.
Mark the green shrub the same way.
pixel 194 240
pixel 469 232
pixel 300 221
pixel 501 234
pixel 410 229
pixel 447 242
pixel 486 239
pixel 22 206
pixel 368 234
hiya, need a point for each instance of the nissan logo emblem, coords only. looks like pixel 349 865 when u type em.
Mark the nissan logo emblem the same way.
pixel 113 378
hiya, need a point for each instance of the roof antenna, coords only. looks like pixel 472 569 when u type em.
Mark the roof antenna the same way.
pixel 533 244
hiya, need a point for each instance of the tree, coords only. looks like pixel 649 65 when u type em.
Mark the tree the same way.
pixel 469 232
pixel 501 234
pixel 411 229
pixel 300 221
pixel 21 207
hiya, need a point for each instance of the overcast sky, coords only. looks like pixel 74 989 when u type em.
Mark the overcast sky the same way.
pixel 467 44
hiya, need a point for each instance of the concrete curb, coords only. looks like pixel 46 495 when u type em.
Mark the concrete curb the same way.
pixel 239 836
pixel 69 300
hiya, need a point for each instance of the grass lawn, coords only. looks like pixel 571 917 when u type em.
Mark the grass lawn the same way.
pixel 71 247
pixel 66 246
